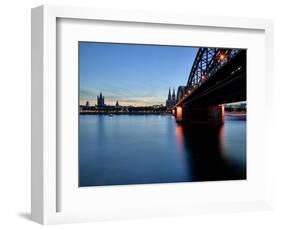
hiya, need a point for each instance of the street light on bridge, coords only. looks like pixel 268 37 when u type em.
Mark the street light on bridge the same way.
pixel 203 77
pixel 222 57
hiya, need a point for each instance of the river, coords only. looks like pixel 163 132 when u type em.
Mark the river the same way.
pixel 141 149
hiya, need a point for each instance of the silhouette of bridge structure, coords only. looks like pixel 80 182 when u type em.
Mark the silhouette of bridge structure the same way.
pixel 218 76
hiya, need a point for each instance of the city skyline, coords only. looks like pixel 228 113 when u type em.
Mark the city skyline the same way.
pixel 98 102
pixel 137 75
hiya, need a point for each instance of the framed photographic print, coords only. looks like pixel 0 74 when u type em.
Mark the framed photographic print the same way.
pixel 137 114
pixel 127 131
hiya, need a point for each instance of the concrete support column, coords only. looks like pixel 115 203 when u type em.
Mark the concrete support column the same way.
pixel 216 114
pixel 179 113
pixel 213 115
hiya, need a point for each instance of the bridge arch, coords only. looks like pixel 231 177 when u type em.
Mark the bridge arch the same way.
pixel 218 76
pixel 180 92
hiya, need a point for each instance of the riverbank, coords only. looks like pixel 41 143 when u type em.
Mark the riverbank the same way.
pixel 236 114
pixel 122 113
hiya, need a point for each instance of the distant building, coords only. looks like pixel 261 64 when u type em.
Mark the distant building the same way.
pixel 117 104
pixel 87 103
pixel 157 106
pixel 174 96
pixel 238 106
pixel 171 101
pixel 100 100
pixel 243 106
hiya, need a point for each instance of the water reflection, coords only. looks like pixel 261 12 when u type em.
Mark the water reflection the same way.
pixel 206 153
pixel 180 137
pixel 155 149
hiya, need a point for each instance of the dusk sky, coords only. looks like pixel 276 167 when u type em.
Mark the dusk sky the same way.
pixel 137 75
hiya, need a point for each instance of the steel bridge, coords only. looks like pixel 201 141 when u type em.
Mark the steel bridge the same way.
pixel 218 76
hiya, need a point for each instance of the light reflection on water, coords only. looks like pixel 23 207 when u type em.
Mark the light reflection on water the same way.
pixel 134 149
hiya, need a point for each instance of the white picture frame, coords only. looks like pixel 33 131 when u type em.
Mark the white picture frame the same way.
pixel 46 173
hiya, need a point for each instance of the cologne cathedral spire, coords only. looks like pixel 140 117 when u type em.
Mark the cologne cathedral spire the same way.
pixel 174 95
pixel 171 101
pixel 169 95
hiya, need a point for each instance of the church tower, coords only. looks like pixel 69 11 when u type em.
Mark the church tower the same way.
pixel 169 95
pixel 100 100
pixel 171 101
pixel 174 95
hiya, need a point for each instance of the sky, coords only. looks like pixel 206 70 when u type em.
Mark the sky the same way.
pixel 137 75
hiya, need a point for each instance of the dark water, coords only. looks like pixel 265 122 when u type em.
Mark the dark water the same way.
pixel 128 149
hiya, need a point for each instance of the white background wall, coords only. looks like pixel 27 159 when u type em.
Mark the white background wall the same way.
pixel 15 113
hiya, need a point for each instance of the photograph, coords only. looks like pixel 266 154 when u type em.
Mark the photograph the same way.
pixel 152 113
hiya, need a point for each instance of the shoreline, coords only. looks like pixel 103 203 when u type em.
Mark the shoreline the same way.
pixel 151 113
pixel 235 113
pixel 125 113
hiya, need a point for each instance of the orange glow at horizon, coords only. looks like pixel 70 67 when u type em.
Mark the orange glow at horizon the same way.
pixel 124 103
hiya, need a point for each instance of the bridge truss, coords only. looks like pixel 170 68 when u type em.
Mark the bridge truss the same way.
pixel 207 62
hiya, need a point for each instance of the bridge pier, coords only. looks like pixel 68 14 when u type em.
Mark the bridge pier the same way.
pixel 211 115
pixel 178 113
